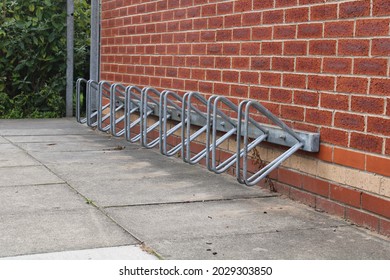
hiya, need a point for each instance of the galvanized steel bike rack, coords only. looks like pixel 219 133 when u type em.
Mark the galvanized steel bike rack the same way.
pixel 192 110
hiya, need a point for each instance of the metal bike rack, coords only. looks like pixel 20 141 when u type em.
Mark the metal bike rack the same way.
pixel 243 130
pixel 193 115
pixel 79 84
pixel 167 99
pixel 104 91
pixel 132 106
pixel 117 104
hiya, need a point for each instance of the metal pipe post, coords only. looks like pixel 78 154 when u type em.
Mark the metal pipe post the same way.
pixel 95 39
pixel 69 57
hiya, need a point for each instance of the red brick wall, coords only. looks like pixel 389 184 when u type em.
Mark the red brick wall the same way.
pixel 321 66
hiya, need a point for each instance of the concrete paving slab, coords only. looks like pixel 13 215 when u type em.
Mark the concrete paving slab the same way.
pixel 28 199
pixel 30 127
pixel 335 243
pixel 53 231
pixel 83 138
pixel 111 253
pixel 143 183
pixel 27 175
pixel 13 156
pixel 219 218
pixel 3 140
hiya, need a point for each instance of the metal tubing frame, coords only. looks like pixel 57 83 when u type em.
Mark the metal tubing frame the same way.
pixel 100 117
pixel 186 136
pixel 133 105
pixel 145 130
pixel 212 112
pixel 262 173
pixel 78 100
pixel 164 116
pixel 92 86
pixel 115 106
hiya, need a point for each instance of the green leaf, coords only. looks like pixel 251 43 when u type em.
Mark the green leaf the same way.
pixel 31 7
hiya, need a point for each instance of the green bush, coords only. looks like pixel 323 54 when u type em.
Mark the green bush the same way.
pixel 33 56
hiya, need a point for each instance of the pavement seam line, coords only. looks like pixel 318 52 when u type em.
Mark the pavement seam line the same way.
pixel 189 202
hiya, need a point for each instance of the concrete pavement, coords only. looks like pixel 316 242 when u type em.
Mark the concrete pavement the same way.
pixel 68 191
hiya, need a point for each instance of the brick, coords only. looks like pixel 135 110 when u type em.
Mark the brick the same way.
pixel 264 4
pixel 322 47
pixel 261 33
pixel 306 98
pixel 207 61
pixel 222 88
pixel 240 91
pixel 381 8
pixel 311 30
pixel 240 62
pixel 339 29
pixel 290 177
pixel 231 48
pixel 242 5
pixel 316 186
pixel 270 79
pixel 198 74
pixel 334 136
pixel 318 116
pixel 272 17
pixel 354 47
pixel 283 64
pixel 337 65
pixel 303 197
pixel 281 95
pixel 297 15
pixel 214 49
pixel 321 82
pixel 349 158
pixel 222 62
pixel 292 113
pixel 372 27
pixel 378 126
pixel 250 48
pixel 378 165
pixel 366 104
pixel 323 12
pixel 285 3
pixel 207 36
pixel 294 81
pixel 325 153
pixel 365 142
pixel 349 121
pixel 215 22
pixel 311 65
pixel 249 77
pixel 205 87
pixel 242 34
pixel 285 32
pixel 209 10
pixel 282 188
pixel 213 75
pixel 252 19
pixel 384 227
pixel 345 195
pixel 354 9
pixel 260 63
pixel 352 85
pixel 259 93
pixel 371 66
pixel 381 47
pixel 380 86
pixel 295 47
pixel 268 48
pixel 330 207
pixel 232 20
pixel 362 219
pixel 224 8
pixel 224 35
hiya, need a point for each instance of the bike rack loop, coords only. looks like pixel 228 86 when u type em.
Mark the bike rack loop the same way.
pixel 78 100
pixel 150 102
pixel 104 91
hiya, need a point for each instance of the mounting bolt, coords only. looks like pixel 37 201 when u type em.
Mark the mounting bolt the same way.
pixel 283 136
pixel 222 123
